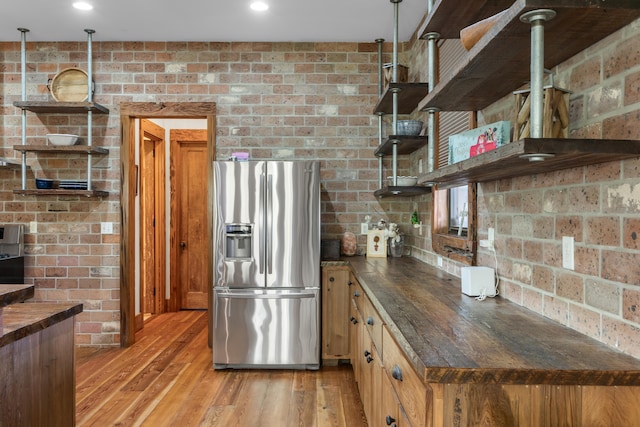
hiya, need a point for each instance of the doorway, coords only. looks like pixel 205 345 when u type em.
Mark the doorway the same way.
pixel 129 113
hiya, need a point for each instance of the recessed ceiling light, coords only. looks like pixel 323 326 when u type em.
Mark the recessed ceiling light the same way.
pixel 82 5
pixel 259 6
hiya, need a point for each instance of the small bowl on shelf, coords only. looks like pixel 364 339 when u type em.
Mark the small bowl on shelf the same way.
pixel 62 139
pixel 404 181
pixel 44 184
pixel 409 127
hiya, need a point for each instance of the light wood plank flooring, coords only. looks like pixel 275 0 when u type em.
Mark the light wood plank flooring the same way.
pixel 167 379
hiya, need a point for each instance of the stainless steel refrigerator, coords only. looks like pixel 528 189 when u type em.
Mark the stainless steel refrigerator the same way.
pixel 266 244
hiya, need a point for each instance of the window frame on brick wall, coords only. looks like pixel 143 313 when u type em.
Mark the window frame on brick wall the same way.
pixel 444 241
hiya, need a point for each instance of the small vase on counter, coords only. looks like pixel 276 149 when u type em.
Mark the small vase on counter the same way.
pixel 396 246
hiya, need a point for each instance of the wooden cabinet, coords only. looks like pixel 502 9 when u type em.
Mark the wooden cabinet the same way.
pixel 385 403
pixel 408 386
pixel 335 313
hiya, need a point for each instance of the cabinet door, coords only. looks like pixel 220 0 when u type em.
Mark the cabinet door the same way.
pixel 390 409
pixel 335 313
pixel 355 324
pixel 371 381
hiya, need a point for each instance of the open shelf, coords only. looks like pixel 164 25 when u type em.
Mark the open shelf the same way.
pixel 407 144
pixel 401 191
pixel 61 107
pixel 499 63
pixel 62 192
pixel 409 96
pixel 69 149
pixel 511 160
pixel 9 164
pixel 448 17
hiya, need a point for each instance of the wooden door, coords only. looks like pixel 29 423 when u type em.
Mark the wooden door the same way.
pixel 152 218
pixel 190 239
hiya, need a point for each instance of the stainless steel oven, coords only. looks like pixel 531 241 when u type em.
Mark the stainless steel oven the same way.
pixel 11 253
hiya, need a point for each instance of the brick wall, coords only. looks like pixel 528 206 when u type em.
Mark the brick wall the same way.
pixel 275 100
pixel 598 205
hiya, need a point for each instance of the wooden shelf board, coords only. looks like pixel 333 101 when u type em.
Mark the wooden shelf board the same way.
pixel 499 63
pixel 448 17
pixel 62 192
pixel 406 144
pixel 408 98
pixel 506 161
pixel 401 191
pixel 61 107
pixel 70 149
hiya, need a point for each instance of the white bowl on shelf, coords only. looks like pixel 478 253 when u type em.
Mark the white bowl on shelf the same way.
pixel 404 181
pixel 62 139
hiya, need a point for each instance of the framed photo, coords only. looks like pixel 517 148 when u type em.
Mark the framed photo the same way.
pixel 376 244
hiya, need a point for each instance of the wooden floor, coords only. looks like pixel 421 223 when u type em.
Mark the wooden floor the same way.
pixel 167 379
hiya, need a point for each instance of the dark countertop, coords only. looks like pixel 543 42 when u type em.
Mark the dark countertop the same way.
pixel 10 294
pixel 21 320
pixel 453 338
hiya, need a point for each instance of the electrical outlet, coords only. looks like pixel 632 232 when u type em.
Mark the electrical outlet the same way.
pixel 106 228
pixel 491 235
pixel 364 228
pixel 33 227
pixel 567 252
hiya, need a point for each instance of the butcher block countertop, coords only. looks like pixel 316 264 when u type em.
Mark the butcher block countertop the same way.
pixel 453 338
pixel 24 319
pixel 10 294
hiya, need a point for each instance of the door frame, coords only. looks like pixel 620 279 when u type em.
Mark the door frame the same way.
pixel 129 111
pixel 157 250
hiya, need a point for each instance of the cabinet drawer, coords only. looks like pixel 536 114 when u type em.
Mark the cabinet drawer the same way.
pixel 373 323
pixel 411 391
pixel 356 291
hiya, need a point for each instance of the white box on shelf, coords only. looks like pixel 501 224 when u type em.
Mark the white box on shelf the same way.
pixel 478 281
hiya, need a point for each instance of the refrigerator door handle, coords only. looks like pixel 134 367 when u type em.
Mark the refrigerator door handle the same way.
pixel 269 213
pixel 261 237
pixel 284 295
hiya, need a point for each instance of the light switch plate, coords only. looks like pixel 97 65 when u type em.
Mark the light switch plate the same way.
pixel 364 228
pixel 567 252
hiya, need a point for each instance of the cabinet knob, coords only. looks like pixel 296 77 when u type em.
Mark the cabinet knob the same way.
pixel 356 294
pixel 390 420
pixel 396 373
pixel 367 353
pixel 350 283
pixel 370 320
pixel 331 279
pixel 369 359
pixel 353 320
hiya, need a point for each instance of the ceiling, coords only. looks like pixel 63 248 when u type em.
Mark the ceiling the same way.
pixel 211 20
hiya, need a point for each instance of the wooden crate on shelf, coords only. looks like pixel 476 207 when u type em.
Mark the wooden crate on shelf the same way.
pixel 555 113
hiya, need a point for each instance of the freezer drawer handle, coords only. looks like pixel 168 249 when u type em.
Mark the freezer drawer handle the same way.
pixel 270 296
